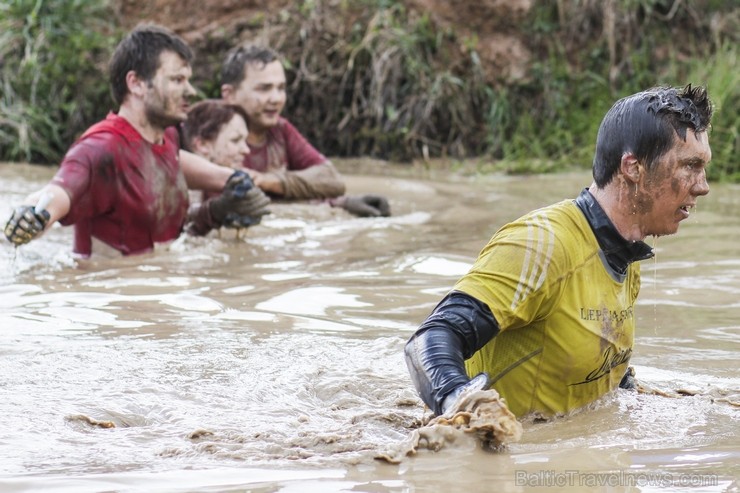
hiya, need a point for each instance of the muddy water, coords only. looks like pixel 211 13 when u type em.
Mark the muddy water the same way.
pixel 272 362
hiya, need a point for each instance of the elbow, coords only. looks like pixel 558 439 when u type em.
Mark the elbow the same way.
pixel 339 189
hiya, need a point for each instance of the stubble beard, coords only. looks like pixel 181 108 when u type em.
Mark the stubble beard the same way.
pixel 161 119
pixel 158 116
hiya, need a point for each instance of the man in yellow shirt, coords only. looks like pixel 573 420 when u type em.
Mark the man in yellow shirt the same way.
pixel 546 314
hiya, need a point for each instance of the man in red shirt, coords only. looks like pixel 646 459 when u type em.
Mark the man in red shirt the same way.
pixel 125 181
pixel 281 161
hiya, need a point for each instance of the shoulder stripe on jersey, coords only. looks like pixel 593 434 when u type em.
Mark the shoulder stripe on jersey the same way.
pixel 536 258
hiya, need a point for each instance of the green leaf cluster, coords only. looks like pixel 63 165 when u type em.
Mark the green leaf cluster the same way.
pixel 53 82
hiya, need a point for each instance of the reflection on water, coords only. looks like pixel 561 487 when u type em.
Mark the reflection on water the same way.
pixel 272 360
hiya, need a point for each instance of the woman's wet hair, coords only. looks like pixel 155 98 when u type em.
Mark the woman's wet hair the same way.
pixel 206 119
pixel 647 124
pixel 139 52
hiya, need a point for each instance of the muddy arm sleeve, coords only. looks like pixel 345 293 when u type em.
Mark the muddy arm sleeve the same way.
pixel 199 221
pixel 321 181
pixel 458 327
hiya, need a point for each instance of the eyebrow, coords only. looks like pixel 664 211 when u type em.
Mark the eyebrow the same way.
pixel 270 84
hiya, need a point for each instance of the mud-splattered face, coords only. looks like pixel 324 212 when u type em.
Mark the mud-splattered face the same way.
pixel 666 194
pixel 166 100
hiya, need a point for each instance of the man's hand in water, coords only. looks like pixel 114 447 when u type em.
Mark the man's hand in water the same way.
pixel 478 382
pixel 365 205
pixel 25 224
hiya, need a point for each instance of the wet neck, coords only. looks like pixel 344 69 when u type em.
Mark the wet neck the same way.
pixel 257 137
pixel 151 133
pixel 621 210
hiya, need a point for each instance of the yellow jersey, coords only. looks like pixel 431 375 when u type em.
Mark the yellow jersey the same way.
pixel 566 318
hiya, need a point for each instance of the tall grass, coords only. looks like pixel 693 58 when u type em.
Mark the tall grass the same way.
pixel 52 74
pixel 721 74
pixel 378 78
pixel 593 52
pixel 391 84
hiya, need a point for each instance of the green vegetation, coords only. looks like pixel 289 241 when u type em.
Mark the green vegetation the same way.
pixel 409 88
pixel 650 42
pixel 720 73
pixel 53 55
pixel 376 78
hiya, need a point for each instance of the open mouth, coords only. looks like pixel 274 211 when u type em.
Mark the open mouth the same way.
pixel 686 210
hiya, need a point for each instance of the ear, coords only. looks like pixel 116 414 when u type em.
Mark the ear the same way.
pixel 136 86
pixel 202 148
pixel 227 92
pixel 630 167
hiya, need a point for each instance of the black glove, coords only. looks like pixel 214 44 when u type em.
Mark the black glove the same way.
pixel 235 221
pixel 628 380
pixel 241 204
pixel 26 224
pixel 367 205
pixel 478 382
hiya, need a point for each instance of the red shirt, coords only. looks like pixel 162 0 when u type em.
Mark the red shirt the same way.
pixel 284 149
pixel 124 190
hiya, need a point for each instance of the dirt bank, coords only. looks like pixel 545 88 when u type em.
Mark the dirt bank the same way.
pixel 488 26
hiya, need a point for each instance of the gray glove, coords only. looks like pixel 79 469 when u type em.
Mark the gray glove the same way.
pixel 478 382
pixel 26 224
pixel 367 205
pixel 241 204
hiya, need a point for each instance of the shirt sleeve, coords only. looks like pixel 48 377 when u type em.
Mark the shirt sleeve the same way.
pixel 88 175
pixel 517 274
pixel 321 181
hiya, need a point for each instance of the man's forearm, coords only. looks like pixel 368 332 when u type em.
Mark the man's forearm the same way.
pixel 321 181
pixel 56 201
pixel 436 364
pixel 202 174
pixel 435 355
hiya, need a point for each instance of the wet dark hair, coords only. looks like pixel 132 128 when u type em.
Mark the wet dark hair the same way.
pixel 232 70
pixel 139 51
pixel 206 118
pixel 646 124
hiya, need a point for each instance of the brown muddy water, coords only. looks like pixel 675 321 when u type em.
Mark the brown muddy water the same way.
pixel 273 362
